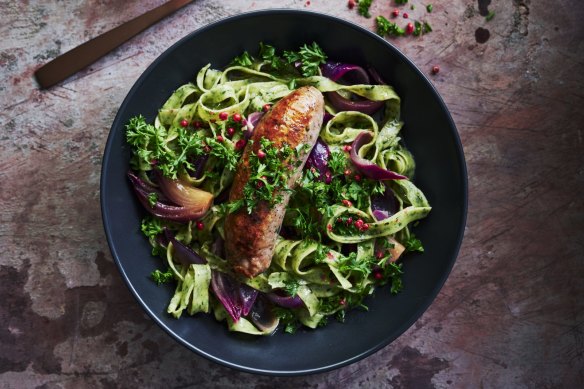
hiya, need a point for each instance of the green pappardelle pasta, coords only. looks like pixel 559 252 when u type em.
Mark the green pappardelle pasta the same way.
pixel 343 232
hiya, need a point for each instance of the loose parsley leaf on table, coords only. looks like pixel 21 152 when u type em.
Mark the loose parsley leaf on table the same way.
pixel 385 27
pixel 363 8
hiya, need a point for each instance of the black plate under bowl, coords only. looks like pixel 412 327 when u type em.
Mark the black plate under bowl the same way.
pixel 429 133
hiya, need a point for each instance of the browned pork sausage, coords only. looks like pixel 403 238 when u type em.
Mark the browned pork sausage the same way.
pixel 250 238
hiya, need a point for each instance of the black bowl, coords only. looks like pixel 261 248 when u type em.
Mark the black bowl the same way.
pixel 429 133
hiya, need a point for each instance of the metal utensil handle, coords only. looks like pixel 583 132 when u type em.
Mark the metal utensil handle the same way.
pixel 87 53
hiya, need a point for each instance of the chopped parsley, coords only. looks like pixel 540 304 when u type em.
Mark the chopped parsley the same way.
pixel 413 244
pixel 268 54
pixel 312 199
pixel 268 176
pixel 224 151
pixel 338 162
pixel 151 227
pixel 421 29
pixel 385 27
pixel 291 286
pixel 401 1
pixel 393 272
pixel 351 263
pixel 426 28
pixel 490 16
pixel 244 60
pixel 287 319
pixel 363 8
pixel 310 58
pixel 150 146
pixel 152 199
pixel 160 277
pixel 429 8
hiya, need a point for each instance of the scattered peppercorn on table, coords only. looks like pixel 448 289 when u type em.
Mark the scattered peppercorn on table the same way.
pixel 511 313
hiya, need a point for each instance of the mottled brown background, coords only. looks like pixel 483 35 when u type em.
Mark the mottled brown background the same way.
pixel 510 315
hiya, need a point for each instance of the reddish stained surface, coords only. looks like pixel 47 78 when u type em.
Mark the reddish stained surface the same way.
pixel 510 315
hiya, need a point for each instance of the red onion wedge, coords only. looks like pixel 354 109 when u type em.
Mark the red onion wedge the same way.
pixel 337 70
pixel 183 194
pixel 385 205
pixel 252 121
pixel 183 253
pixel 160 209
pixel 237 299
pixel 167 210
pixel 227 292
pixel 262 315
pixel 285 301
pixel 366 167
pixel 247 297
pixel 365 106
pixel 354 75
pixel 318 159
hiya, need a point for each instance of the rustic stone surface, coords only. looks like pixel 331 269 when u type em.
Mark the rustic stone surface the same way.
pixel 510 315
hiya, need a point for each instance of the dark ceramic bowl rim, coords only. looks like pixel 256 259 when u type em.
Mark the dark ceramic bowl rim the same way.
pixel 461 161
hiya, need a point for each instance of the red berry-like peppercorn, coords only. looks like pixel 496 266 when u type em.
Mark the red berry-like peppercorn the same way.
pixel 184 123
pixel 347 203
pixel 406 15
pixel 223 116
pixel 240 144
pixel 409 28
pixel 435 69
pixel 378 275
pixel 365 227
pixel 395 13
pixel 230 131
pixel 359 224
pixel 347 172
pixel 342 301
pixel 220 139
pixel 236 117
pixel 206 149
pixel 200 226
pixel 197 124
pixel 329 227
pixel 357 177
pixel 261 154
pixel 349 221
pixel 348 148
pixel 351 4
pixel 379 254
pixel 266 107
